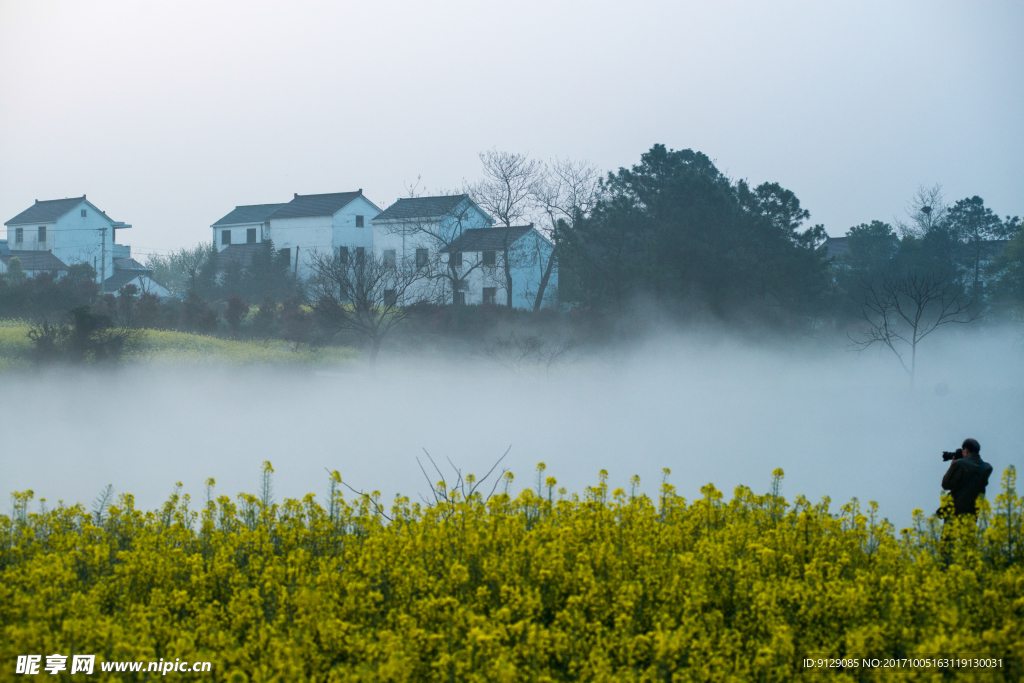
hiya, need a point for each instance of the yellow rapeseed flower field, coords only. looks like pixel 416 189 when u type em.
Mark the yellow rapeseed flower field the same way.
pixel 603 586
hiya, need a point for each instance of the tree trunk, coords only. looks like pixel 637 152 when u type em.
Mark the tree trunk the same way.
pixel 544 280
pixel 508 277
pixel 374 350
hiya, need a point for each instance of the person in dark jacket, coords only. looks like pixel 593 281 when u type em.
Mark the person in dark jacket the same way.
pixel 967 478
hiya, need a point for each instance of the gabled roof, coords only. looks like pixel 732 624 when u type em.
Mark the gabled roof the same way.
pixel 35 260
pixel 46 211
pixel 487 239
pixel 4 249
pixel 128 264
pixel 425 208
pixel 49 210
pixel 238 253
pixel 249 213
pixel 121 278
pixel 833 247
pixel 316 204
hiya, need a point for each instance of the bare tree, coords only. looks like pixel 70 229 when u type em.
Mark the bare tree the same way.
pixel 900 310
pixel 567 192
pixel 926 210
pixel 179 270
pixel 518 350
pixel 508 192
pixel 363 295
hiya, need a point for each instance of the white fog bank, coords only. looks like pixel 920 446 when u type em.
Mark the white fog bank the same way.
pixel 839 424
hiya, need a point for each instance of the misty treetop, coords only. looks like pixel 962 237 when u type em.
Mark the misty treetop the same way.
pixel 676 228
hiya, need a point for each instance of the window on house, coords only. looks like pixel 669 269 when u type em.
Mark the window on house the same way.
pixel 19 235
pixel 390 258
pixel 42 233
pixel 390 297
pixel 421 258
pixel 359 221
pixel 460 298
pixel 490 258
pixel 343 255
pixel 490 294
pixel 225 237
pixel 83 213
pixel 250 236
pixel 457 259
pixel 286 255
pixel 360 256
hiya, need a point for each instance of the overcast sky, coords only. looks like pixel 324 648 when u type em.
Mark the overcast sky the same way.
pixel 169 114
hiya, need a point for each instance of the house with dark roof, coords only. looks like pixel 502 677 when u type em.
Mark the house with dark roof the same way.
pixel 307 224
pixel 32 262
pixel 128 271
pixel 73 230
pixel 528 252
pixel 833 247
pixel 437 231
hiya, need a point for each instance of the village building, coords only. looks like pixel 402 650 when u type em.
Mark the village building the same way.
pixel 128 271
pixel 313 223
pixel 32 262
pixel 528 254
pixel 73 230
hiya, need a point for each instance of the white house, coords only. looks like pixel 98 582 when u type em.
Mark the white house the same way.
pixel 32 262
pixel 416 230
pixel 437 229
pixel 73 230
pixel 128 271
pixel 528 253
pixel 309 223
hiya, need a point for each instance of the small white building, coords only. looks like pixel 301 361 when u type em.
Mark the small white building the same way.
pixel 309 223
pixel 128 271
pixel 528 253
pixel 72 229
pixel 32 262
pixel 437 229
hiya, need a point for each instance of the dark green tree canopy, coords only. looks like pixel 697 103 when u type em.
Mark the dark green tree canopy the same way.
pixel 676 228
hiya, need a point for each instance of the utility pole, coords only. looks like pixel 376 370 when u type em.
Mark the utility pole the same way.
pixel 103 258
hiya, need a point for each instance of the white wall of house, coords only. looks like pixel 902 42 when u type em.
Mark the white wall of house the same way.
pixel 147 284
pixel 301 236
pixel 304 235
pixel 396 235
pixel 529 256
pixel 73 238
pixel 346 232
pixel 239 234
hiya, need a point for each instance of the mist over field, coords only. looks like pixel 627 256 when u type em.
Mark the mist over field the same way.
pixel 718 410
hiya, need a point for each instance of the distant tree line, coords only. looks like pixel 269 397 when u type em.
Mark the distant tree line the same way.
pixel 672 231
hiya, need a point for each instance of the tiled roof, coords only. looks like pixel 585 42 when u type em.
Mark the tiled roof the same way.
pixel 833 247
pixel 46 211
pixel 487 239
pixel 250 213
pixel 120 278
pixel 240 253
pixel 130 264
pixel 35 260
pixel 421 207
pixel 315 204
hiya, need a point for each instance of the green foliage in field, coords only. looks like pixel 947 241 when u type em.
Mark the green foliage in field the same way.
pixel 607 586
pixel 165 346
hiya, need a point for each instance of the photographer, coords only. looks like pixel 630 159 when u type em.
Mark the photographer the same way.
pixel 966 477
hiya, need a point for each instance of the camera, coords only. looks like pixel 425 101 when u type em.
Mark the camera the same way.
pixel 952 455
